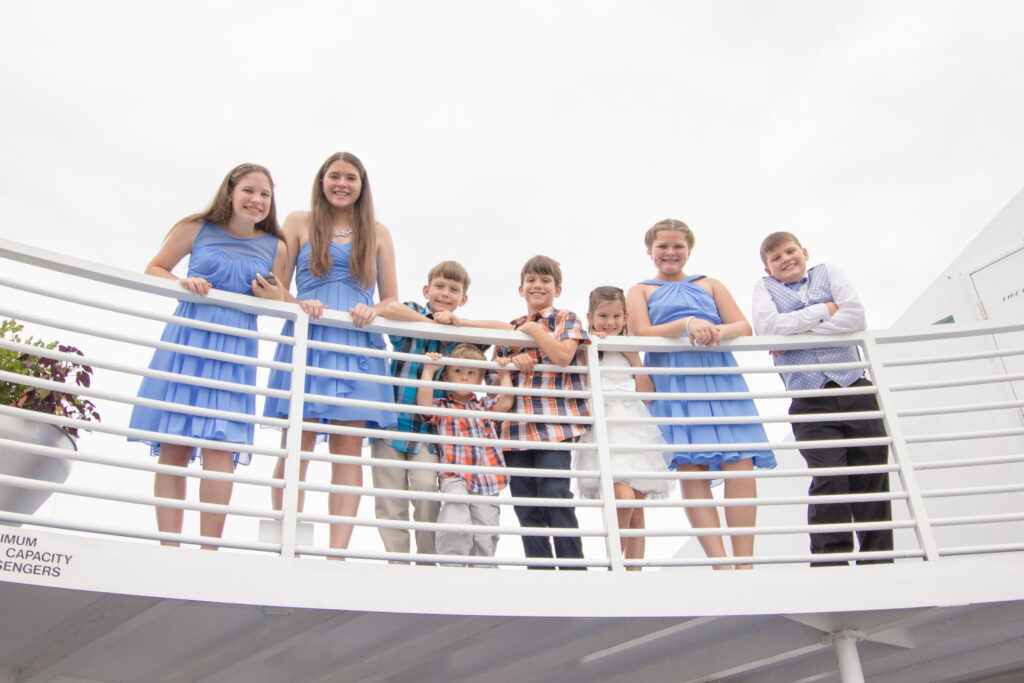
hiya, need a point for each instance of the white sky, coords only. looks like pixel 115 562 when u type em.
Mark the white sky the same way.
pixel 885 134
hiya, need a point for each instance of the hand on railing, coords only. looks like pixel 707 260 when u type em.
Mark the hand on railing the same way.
pixel 197 285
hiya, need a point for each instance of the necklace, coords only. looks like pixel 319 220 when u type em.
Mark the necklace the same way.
pixel 341 233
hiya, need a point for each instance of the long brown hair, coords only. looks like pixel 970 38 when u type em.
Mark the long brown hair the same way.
pixel 362 261
pixel 220 210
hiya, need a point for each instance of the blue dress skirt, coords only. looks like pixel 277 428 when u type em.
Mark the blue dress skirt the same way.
pixel 673 301
pixel 228 263
pixel 337 290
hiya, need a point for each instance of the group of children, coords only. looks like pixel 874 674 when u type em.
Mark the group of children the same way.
pixel 339 255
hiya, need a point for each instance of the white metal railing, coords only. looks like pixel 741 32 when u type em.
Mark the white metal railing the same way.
pixel 945 410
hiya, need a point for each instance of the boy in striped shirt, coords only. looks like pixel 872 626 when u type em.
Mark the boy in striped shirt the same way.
pixel 465 483
pixel 560 337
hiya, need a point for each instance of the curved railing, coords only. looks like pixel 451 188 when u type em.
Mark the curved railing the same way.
pixel 949 397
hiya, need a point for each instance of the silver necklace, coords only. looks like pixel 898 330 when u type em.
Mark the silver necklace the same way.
pixel 341 233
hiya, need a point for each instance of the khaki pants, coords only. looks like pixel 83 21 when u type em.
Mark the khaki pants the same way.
pixel 425 481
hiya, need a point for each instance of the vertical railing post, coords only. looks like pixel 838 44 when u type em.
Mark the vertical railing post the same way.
pixel 604 462
pixel 293 442
pixel 901 452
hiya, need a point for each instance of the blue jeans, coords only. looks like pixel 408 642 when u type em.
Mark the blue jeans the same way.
pixel 538 516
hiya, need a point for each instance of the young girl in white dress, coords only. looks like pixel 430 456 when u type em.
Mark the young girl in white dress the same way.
pixel 607 317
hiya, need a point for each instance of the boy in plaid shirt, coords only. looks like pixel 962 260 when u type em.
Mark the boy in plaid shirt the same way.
pixel 476 513
pixel 560 337
pixel 447 284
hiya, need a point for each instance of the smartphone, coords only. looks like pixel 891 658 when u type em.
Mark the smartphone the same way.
pixel 269 277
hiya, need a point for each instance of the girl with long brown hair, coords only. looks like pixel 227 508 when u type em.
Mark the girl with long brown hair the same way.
pixel 339 255
pixel 231 246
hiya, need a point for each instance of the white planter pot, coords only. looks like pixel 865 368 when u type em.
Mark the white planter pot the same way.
pixel 15 461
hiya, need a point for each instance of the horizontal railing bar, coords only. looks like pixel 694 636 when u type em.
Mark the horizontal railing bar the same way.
pixel 148 465
pixel 393 435
pixel 965 382
pixel 140 312
pixel 743 395
pixel 970 462
pixel 737 369
pixel 463 498
pixel 132 399
pixel 509 561
pixel 741 419
pixel 149 342
pixel 422 410
pixel 53 523
pixel 968 408
pixel 761 502
pixel 148 501
pixel 138 434
pixel 872 556
pixel 505 531
pixel 973 491
pixel 765 530
pixel 942 332
pixel 977 519
pixel 964 436
pixel 981 549
pixel 952 358
pixel 107 364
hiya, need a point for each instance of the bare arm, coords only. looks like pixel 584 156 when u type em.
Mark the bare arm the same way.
pixel 734 323
pixel 561 352
pixel 387 275
pixel 177 245
pixel 425 395
pixel 505 401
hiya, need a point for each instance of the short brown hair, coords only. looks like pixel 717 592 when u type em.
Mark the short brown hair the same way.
pixel 542 265
pixel 774 240
pixel 450 270
pixel 669 224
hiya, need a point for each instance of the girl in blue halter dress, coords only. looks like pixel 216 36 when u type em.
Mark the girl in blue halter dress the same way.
pixel 233 244
pixel 675 305
pixel 340 252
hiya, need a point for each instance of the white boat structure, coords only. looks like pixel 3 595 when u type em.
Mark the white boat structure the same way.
pixel 87 593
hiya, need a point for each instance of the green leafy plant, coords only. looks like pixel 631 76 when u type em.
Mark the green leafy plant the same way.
pixel 60 403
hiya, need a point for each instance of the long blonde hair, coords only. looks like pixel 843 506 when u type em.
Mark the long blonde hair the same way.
pixel 362 261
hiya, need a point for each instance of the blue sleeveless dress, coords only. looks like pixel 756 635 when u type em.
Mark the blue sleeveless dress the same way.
pixel 228 263
pixel 672 301
pixel 338 292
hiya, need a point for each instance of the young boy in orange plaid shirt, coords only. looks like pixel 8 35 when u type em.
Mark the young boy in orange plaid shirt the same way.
pixel 560 336
pixel 476 484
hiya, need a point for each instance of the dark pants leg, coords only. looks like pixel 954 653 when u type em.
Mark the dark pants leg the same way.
pixel 538 516
pixel 838 513
pixel 560 517
pixel 529 515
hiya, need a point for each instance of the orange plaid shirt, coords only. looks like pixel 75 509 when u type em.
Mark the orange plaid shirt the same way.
pixel 561 325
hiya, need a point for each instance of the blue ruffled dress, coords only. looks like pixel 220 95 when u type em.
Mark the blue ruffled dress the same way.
pixel 228 263
pixel 673 301
pixel 337 290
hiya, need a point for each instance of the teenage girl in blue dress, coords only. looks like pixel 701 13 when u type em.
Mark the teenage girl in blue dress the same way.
pixel 673 304
pixel 338 253
pixel 231 246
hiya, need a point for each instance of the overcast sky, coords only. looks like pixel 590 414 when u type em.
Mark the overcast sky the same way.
pixel 885 134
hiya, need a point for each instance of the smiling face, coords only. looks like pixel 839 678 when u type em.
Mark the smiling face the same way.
pixel 669 252
pixel 342 185
pixel 252 197
pixel 787 262
pixel 608 317
pixel 539 291
pixel 444 295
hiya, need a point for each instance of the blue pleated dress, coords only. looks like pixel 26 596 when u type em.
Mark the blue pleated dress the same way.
pixel 673 301
pixel 228 263
pixel 337 290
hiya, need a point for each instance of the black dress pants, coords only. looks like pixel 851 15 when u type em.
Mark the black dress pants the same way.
pixel 839 513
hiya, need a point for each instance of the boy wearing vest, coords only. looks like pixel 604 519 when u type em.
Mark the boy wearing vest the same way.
pixel 796 300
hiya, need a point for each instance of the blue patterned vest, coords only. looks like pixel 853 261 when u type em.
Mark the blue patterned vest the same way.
pixel 818 290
